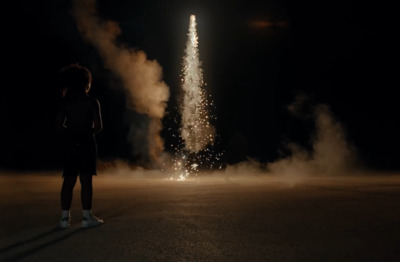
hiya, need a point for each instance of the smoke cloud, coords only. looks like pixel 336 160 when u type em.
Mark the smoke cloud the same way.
pixel 331 154
pixel 147 94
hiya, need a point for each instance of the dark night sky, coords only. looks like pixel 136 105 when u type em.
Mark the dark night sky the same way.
pixel 339 53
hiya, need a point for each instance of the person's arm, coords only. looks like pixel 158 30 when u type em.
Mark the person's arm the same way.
pixel 61 117
pixel 97 121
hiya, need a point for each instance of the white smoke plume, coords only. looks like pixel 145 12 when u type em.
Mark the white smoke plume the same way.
pixel 141 78
pixel 331 154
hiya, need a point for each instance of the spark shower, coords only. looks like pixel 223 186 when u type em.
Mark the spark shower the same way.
pixel 196 131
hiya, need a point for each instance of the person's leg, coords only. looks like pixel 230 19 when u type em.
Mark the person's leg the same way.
pixel 66 200
pixel 67 192
pixel 86 191
pixel 87 171
pixel 70 173
pixel 88 219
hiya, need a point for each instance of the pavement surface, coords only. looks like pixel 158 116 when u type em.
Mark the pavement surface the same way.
pixel 209 218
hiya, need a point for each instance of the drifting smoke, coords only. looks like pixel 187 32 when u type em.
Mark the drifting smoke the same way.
pixel 330 154
pixel 141 78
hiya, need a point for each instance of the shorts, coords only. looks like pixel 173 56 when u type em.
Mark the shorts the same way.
pixel 80 157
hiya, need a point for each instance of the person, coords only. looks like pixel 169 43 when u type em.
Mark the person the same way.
pixel 78 120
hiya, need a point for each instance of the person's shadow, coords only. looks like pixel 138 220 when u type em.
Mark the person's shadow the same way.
pixel 33 250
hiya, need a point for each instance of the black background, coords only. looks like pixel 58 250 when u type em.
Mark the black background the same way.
pixel 339 53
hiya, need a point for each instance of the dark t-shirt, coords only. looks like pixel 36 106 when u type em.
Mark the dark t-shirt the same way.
pixel 80 116
pixel 79 120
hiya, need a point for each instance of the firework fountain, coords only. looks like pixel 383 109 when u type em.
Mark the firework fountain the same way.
pixel 196 131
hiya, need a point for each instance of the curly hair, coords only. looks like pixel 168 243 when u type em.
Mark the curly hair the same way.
pixel 75 78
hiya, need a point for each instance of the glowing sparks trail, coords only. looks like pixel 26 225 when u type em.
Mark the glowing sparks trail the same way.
pixel 197 133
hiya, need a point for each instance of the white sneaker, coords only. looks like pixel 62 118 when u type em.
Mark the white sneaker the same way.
pixel 65 222
pixel 91 221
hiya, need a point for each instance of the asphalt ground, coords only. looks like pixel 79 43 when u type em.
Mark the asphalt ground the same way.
pixel 225 217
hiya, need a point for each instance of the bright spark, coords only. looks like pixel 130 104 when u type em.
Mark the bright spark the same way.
pixel 194 166
pixel 196 131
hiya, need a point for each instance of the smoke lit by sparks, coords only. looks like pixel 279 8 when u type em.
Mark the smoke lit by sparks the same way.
pixel 196 131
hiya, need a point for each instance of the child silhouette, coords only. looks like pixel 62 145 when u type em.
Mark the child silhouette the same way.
pixel 79 120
